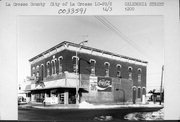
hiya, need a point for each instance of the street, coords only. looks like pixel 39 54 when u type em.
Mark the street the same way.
pixel 68 114
pixel 55 114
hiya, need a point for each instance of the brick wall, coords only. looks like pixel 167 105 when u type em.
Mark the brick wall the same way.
pixel 67 65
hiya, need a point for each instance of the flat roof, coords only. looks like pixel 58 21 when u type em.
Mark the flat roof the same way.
pixel 84 47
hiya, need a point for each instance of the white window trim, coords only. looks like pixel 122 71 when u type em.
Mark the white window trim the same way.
pixel 107 63
pixel 48 62
pixel 118 65
pixel 37 67
pixel 139 70
pixel 92 60
pixel 60 57
pixel 130 67
pixel 33 68
pixel 76 57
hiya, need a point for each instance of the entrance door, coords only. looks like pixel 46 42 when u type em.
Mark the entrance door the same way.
pixel 134 95
pixel 119 95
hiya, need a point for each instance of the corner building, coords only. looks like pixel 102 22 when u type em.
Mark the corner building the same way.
pixel 98 76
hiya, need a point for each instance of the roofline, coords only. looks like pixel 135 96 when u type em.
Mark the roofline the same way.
pixel 85 47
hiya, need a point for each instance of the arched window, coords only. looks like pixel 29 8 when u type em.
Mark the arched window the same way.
pixel 42 72
pixel 33 68
pixel 33 75
pixel 52 68
pixel 60 64
pixel 139 74
pixel 53 64
pixel 75 63
pixel 107 65
pixel 37 74
pixel 139 92
pixel 92 63
pixel 118 67
pixel 48 68
pixel 144 91
pixel 33 72
pixel 130 72
pixel 37 67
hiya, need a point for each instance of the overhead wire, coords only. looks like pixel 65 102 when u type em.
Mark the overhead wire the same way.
pixel 114 29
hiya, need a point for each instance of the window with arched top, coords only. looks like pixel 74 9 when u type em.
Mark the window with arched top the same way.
pixel 130 69
pixel 75 63
pixel 118 67
pixel 48 68
pixel 53 66
pixel 37 67
pixel 139 74
pixel 139 92
pixel 42 72
pixel 33 68
pixel 33 75
pixel 60 64
pixel 139 70
pixel 144 91
pixel 92 63
pixel 107 65
pixel 37 74
pixel 55 70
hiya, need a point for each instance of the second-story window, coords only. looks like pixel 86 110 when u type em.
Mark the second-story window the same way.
pixel 33 72
pixel 48 68
pixel 53 64
pixel 37 74
pixel 92 63
pixel 139 74
pixel 107 65
pixel 118 66
pixel 75 63
pixel 37 67
pixel 130 72
pixel 42 72
pixel 33 75
pixel 60 64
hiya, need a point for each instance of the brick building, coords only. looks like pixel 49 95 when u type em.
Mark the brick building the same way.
pixel 97 76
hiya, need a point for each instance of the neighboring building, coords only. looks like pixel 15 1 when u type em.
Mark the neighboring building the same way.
pixel 104 77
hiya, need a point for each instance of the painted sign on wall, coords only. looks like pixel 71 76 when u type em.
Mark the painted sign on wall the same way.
pixel 104 84
pixel 93 84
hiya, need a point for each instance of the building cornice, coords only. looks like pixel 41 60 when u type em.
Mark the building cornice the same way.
pixel 84 49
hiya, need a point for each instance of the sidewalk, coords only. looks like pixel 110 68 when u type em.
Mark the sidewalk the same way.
pixel 42 106
pixel 85 105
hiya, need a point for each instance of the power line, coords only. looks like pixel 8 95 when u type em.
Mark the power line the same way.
pixel 114 29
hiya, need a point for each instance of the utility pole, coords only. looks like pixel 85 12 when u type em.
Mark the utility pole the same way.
pixel 78 73
pixel 161 84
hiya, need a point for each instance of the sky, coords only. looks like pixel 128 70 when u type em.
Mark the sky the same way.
pixel 138 37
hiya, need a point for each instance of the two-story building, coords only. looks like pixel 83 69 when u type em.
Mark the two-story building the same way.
pixel 68 70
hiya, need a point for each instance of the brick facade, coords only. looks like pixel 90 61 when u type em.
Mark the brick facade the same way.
pixel 125 75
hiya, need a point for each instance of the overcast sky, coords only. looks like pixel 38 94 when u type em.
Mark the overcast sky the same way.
pixel 134 36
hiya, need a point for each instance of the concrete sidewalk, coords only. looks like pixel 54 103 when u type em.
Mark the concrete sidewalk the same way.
pixel 85 105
